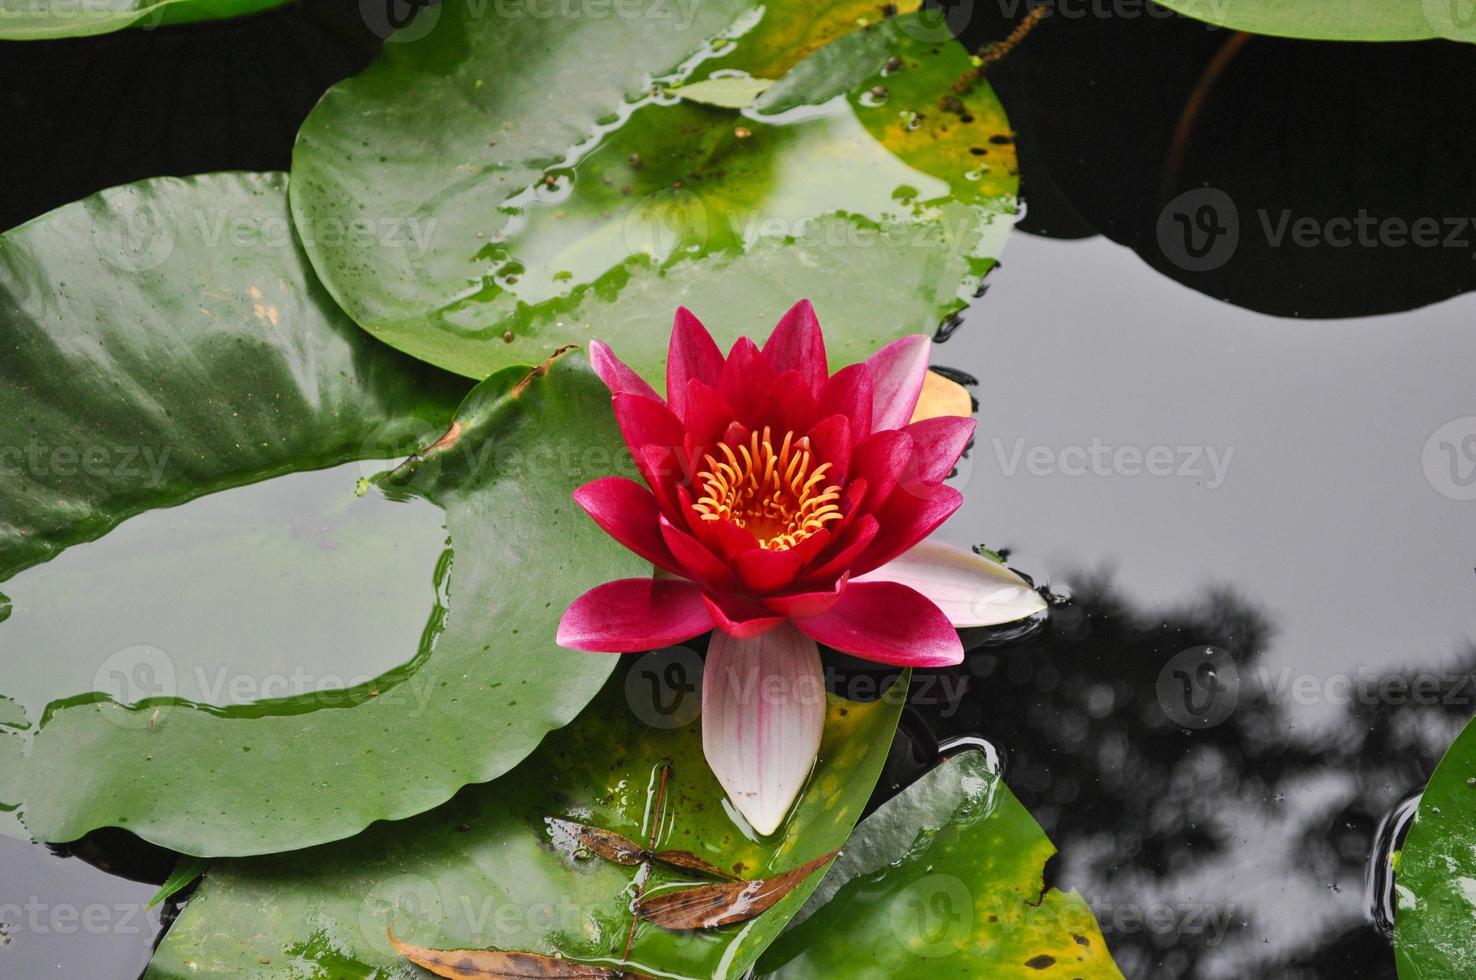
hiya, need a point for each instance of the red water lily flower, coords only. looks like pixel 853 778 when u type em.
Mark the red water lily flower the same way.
pixel 783 506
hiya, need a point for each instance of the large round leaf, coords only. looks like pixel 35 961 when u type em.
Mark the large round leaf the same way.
pixel 31 20
pixel 542 190
pixel 944 880
pixel 488 870
pixel 279 662
pixel 1337 20
pixel 1435 925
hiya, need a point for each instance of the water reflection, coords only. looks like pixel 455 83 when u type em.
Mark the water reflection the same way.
pixel 1235 849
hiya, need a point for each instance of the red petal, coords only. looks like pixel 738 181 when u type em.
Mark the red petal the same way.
pixel 897 374
pixel 888 623
pixel 937 443
pixel 798 345
pixel 618 377
pixel 745 381
pixel 880 459
pixel 692 355
pixel 763 571
pixel 801 604
pixel 708 416
pixel 848 393
pixel 646 421
pixel 853 543
pixel 742 618
pixel 627 512
pixel 911 514
pixel 632 614
pixel 788 407
pixel 831 439
pixel 697 561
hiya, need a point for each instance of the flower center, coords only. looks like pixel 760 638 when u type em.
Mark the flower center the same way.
pixel 774 494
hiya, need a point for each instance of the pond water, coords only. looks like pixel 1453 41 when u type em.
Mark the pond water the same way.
pixel 1264 524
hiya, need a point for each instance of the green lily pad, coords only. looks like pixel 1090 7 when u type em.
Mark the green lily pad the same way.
pixel 487 870
pixel 725 92
pixel 1337 20
pixel 944 880
pixel 1435 879
pixel 34 20
pixel 500 186
pixel 221 636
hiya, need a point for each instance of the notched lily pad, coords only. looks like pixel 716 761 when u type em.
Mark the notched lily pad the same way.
pixel 227 651
pixel 596 220
pixel 486 872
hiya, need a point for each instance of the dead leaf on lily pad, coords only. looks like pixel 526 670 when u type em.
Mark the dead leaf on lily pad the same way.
pixel 470 964
pixel 687 861
pixel 710 906
pixel 604 843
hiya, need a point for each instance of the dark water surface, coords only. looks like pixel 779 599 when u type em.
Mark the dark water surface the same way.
pixel 1295 496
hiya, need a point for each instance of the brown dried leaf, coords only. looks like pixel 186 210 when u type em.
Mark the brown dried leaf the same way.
pixel 710 906
pixel 607 844
pixel 469 964
pixel 691 862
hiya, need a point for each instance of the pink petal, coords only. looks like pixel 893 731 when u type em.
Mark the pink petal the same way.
pixel 888 623
pixel 789 405
pixel 897 374
pixel 627 512
pixel 743 618
pixel 618 377
pixel 763 710
pixel 911 514
pixel 632 614
pixel 691 356
pixel 937 444
pixel 798 345
pixel 970 589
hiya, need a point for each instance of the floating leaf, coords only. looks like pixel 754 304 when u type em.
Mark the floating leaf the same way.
pixel 189 405
pixel 1435 922
pixel 726 92
pixel 1336 20
pixel 468 964
pixel 486 870
pixel 711 906
pixel 30 20
pixel 944 880
pixel 540 227
pixel 186 870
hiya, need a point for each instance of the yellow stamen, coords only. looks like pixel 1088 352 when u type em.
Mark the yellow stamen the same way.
pixel 773 493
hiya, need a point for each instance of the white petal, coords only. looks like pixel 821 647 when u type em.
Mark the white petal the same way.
pixel 970 589
pixel 763 708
